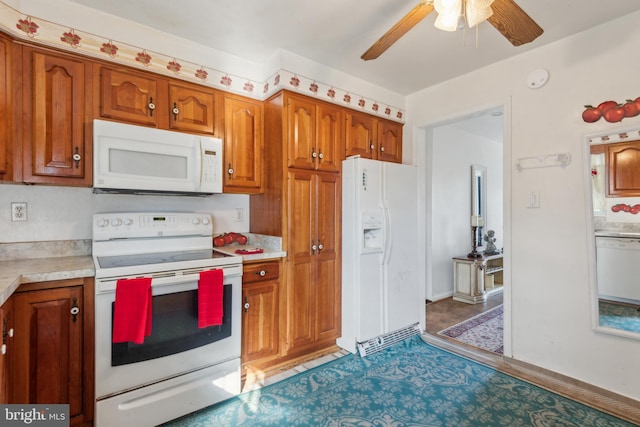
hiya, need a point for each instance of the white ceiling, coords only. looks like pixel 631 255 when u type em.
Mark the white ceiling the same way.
pixel 336 32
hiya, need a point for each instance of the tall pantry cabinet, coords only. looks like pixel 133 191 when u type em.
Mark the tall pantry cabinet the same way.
pixel 301 202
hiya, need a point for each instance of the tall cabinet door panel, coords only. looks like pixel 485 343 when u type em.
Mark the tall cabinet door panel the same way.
pixel 328 289
pixel 128 97
pixel 301 128
pixel 329 137
pixel 56 148
pixel 301 258
pixel 243 144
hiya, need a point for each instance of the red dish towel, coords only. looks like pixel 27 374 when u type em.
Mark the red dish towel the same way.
pixel 132 310
pixel 210 291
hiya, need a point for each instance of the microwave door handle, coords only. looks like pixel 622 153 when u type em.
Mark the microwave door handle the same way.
pixel 199 163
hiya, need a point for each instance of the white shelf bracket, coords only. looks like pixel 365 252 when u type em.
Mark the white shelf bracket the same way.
pixel 544 161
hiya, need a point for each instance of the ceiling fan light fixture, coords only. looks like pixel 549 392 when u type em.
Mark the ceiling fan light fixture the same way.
pixel 449 13
pixel 478 11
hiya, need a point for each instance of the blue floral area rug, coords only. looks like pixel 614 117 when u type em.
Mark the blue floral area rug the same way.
pixel 410 384
pixel 619 316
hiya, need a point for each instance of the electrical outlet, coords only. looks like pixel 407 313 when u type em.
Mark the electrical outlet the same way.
pixel 18 211
pixel 239 214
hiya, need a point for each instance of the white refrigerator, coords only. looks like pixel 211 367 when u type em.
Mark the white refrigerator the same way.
pixel 381 288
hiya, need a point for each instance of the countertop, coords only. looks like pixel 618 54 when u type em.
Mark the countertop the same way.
pixel 267 254
pixel 30 262
pixel 13 273
pixel 616 233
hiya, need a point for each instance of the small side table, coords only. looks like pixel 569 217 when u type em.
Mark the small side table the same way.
pixel 474 279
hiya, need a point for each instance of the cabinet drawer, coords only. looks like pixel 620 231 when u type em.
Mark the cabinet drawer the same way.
pixel 260 272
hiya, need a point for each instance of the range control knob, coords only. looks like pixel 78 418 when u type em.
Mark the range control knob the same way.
pixel 103 222
pixel 116 222
pixel 205 221
pixel 196 221
pixel 128 221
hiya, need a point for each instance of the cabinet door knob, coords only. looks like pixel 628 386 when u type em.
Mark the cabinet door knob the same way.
pixel 313 153
pixel 261 273
pixel 74 309
pixel 320 246
pixel 372 146
pixel 151 106
pixel 175 111
pixel 320 156
pixel 381 148
pixel 77 157
pixel 3 349
pixel 246 305
pixel 230 170
pixel 314 247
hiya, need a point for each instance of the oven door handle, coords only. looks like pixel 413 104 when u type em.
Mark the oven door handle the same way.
pixel 109 285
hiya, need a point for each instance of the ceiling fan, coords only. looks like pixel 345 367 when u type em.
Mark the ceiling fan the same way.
pixel 508 18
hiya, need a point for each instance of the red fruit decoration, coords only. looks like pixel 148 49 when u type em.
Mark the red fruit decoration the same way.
pixel 591 114
pixel 607 105
pixel 631 108
pixel 241 239
pixel 614 114
pixel 218 241
pixel 612 111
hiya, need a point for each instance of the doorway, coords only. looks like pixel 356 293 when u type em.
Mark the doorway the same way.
pixel 452 145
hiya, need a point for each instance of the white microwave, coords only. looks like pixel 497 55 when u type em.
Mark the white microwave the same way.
pixel 141 160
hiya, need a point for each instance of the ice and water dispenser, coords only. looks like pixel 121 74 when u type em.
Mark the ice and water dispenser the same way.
pixel 372 222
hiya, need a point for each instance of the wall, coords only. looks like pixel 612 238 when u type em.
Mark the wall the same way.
pixel 549 260
pixel 65 213
pixel 454 152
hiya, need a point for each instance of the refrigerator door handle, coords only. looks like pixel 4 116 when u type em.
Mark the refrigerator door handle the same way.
pixel 388 236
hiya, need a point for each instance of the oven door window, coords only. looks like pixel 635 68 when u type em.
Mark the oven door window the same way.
pixel 174 328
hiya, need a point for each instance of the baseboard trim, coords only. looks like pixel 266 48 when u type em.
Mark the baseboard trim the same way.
pixel 598 398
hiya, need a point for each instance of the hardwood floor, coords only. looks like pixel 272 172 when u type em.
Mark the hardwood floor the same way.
pixel 447 312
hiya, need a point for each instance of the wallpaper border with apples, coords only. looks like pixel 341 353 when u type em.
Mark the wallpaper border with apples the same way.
pixel 73 40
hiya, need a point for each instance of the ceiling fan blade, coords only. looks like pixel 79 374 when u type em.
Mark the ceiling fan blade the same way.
pixel 416 15
pixel 513 22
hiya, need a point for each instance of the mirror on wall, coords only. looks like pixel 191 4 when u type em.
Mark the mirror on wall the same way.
pixel 479 200
pixel 615 189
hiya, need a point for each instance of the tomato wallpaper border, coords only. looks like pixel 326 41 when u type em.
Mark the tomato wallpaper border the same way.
pixel 611 111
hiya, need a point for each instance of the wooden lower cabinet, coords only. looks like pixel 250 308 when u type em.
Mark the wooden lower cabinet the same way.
pixel 6 322
pixel 261 287
pixel 314 290
pixel 52 360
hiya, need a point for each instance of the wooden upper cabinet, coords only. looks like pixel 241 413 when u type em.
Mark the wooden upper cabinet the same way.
pixel 127 96
pixel 373 138
pixel 149 100
pixel 192 108
pixel 623 166
pixel 389 141
pixel 329 137
pixel 361 135
pixel 301 130
pixel 56 130
pixel 243 144
pixel 314 133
